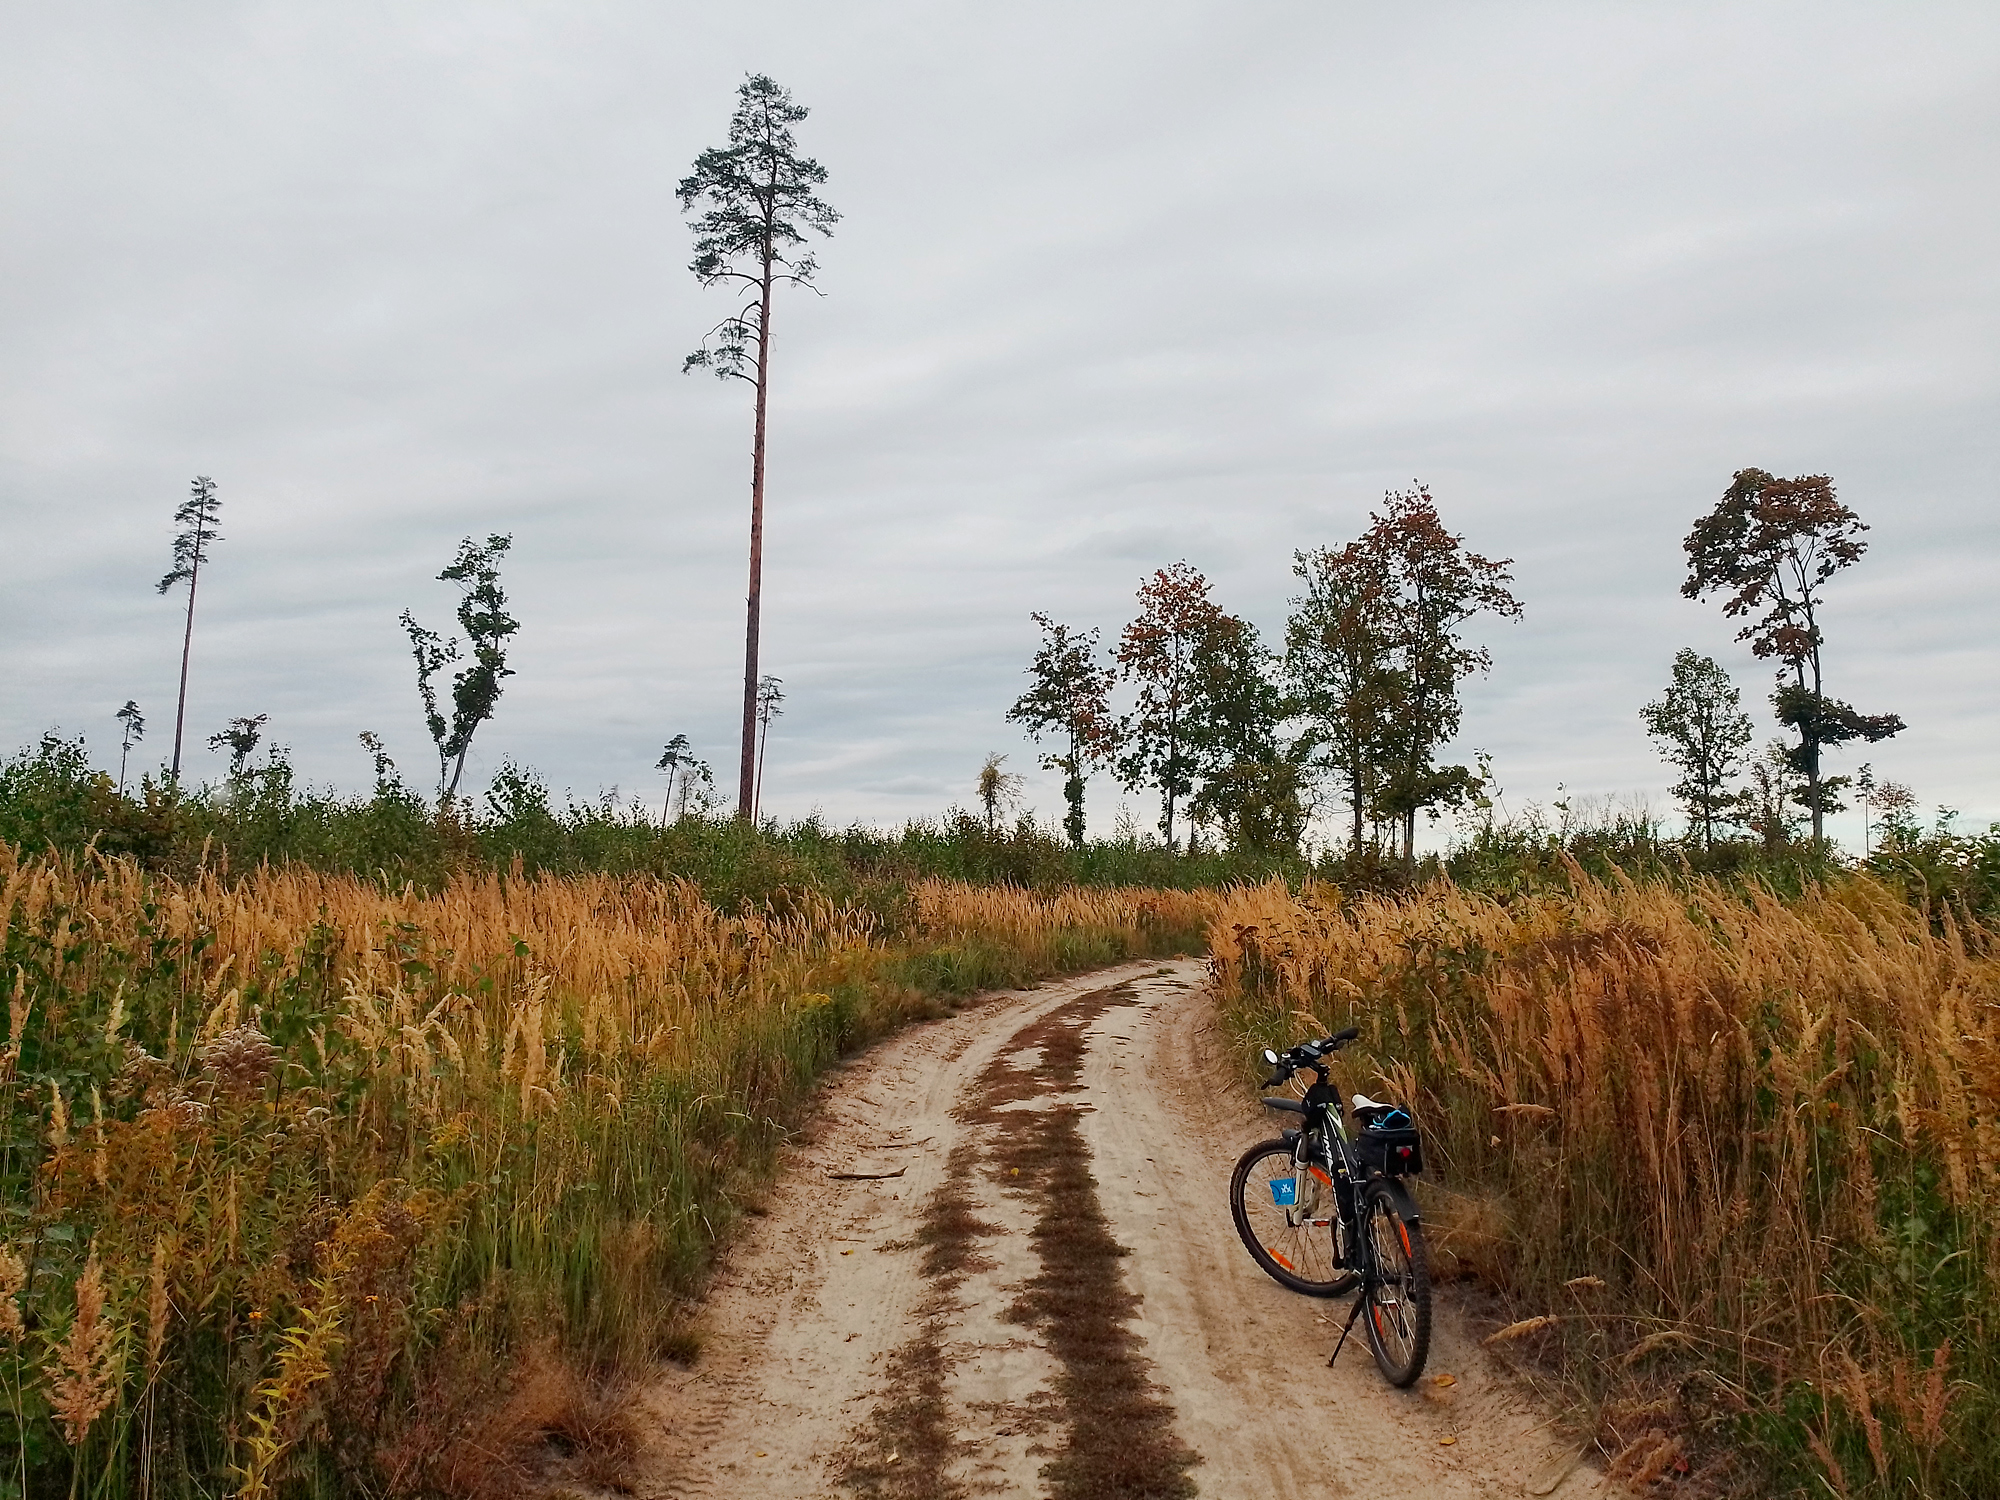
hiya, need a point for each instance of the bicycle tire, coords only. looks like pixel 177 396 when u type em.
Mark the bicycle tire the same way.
pixel 1398 1292
pixel 1299 1257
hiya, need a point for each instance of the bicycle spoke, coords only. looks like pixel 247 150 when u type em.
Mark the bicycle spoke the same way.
pixel 1283 1210
pixel 1397 1293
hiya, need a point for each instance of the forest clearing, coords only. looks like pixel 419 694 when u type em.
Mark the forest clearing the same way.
pixel 318 1187
pixel 570 931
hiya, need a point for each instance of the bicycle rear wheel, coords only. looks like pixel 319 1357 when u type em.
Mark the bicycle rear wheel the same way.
pixel 1285 1212
pixel 1398 1293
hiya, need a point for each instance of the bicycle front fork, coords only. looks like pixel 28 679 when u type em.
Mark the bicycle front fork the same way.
pixel 1324 1199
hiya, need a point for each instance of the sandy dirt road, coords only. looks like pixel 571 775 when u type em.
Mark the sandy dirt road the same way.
pixel 1048 1296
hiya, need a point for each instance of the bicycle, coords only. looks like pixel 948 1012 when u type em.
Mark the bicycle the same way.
pixel 1324 1214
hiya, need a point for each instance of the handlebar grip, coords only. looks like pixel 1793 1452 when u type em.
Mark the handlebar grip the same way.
pixel 1345 1036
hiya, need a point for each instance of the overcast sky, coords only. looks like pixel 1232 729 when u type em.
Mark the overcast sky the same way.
pixel 1115 285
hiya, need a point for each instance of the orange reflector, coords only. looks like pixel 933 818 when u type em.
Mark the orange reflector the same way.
pixel 1320 1175
pixel 1279 1259
pixel 1406 1237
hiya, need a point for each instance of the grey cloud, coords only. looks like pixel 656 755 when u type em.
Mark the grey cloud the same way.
pixel 1116 285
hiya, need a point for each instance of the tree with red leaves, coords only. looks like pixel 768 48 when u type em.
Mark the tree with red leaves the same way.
pixel 1342 669
pixel 1772 544
pixel 1068 700
pixel 1436 586
pixel 1157 652
pixel 1205 701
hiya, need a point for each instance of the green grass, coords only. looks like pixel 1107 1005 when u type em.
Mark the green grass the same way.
pixel 50 799
pixel 481 1239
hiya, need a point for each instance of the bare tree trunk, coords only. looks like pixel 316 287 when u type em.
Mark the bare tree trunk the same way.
pixel 763 743
pixel 1819 816
pixel 187 647
pixel 746 790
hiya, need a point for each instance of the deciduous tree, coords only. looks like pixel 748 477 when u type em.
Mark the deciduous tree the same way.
pixel 1771 545
pixel 1245 782
pixel 697 786
pixel 1436 586
pixel 1896 806
pixel 1205 698
pixel 1776 787
pixel 475 688
pixel 1702 732
pixel 197 517
pixel 1156 653
pixel 758 199
pixel 1343 669
pixel 387 782
pixel 998 789
pixel 1069 699
pixel 1258 800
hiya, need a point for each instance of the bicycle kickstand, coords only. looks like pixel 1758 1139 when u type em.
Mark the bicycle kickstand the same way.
pixel 1360 1301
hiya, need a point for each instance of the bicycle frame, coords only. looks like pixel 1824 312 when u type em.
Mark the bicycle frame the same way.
pixel 1323 1157
pixel 1324 1127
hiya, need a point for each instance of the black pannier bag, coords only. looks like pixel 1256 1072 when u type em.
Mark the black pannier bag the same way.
pixel 1388 1143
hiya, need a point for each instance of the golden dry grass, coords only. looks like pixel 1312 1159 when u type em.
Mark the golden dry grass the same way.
pixel 1740 1154
pixel 314 1176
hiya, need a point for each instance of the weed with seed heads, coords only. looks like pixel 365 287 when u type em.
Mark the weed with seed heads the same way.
pixel 1733 1160
pixel 328 1186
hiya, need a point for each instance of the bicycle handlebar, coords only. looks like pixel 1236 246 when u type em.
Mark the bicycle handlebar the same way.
pixel 1309 1055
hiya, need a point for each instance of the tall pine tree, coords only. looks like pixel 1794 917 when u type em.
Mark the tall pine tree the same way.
pixel 197 518
pixel 757 199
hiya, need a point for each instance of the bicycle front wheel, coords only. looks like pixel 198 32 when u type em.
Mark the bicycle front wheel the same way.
pixel 1285 1212
pixel 1398 1289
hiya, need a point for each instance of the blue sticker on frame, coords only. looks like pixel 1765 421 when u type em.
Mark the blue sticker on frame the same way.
pixel 1285 1192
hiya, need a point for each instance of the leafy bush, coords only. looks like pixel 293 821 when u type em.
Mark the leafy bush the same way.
pixel 51 799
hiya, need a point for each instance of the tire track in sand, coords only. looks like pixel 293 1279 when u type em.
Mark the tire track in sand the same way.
pixel 905 1337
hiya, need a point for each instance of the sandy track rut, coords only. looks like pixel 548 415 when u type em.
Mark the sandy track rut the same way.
pixel 808 1328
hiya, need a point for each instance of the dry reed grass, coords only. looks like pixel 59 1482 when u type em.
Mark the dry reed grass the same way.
pixel 1733 1160
pixel 313 1175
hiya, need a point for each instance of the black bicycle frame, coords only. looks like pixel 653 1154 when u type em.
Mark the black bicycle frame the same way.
pixel 1324 1127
